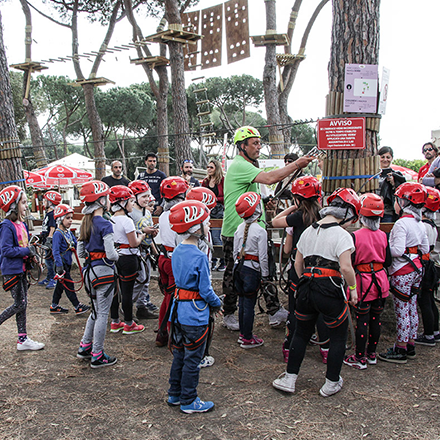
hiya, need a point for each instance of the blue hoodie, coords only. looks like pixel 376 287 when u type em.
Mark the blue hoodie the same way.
pixel 12 253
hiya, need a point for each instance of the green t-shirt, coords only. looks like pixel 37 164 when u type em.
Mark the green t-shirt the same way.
pixel 238 180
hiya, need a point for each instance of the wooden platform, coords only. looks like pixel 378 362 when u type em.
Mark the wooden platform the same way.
pixel 94 81
pixel 278 39
pixel 283 59
pixel 179 36
pixel 151 61
pixel 30 65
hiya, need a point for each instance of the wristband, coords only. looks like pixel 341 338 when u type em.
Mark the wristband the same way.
pixel 353 287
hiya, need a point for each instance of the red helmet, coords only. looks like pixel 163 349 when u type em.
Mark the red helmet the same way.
pixel 415 193
pixel 204 195
pixel 173 186
pixel 61 210
pixel 8 196
pixel 349 196
pixel 247 203
pixel 307 187
pixel 371 205
pixel 433 201
pixel 119 193
pixel 53 197
pixel 139 187
pixel 186 214
pixel 93 190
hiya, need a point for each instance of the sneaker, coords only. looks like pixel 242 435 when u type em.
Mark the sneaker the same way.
pixel 221 268
pixel 371 358
pixel 278 318
pixel 152 307
pixel 29 344
pixel 144 313
pixel 102 360
pixel 240 339
pixel 330 387
pixel 58 310
pixel 353 361
pixel 286 355
pixel 324 354
pixel 285 382
pixel 198 406
pixel 207 361
pixel 84 352
pixel 213 266
pixel 82 308
pixel 115 327
pixel 394 355
pixel 133 328
pixel 43 282
pixel 51 284
pixel 173 400
pixel 230 322
pixel 252 343
pixel 410 351
pixel 437 337
pixel 423 340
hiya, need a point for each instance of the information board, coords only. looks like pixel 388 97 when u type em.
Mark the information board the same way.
pixel 341 134
pixel 360 90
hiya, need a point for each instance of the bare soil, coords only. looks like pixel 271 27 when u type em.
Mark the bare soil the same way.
pixel 50 394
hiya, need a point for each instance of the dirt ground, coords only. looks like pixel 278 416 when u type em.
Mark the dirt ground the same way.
pixel 51 394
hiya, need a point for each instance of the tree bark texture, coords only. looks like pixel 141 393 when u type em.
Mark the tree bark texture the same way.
pixel 10 152
pixel 276 140
pixel 182 139
pixel 355 40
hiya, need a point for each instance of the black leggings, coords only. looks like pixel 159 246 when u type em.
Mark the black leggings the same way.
pixel 429 311
pixel 311 302
pixel 68 286
pixel 19 295
pixel 368 323
pixel 127 265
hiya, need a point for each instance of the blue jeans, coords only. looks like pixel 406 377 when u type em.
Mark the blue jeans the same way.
pixel 217 240
pixel 50 268
pixel 246 284
pixel 185 370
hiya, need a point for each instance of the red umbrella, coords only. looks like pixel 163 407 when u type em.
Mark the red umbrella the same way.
pixel 34 179
pixel 409 174
pixel 64 175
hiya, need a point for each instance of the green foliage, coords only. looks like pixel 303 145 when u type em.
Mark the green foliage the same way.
pixel 414 164
pixel 303 137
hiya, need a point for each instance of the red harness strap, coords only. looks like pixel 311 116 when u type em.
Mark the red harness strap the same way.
pixel 412 250
pixel 252 258
pixel 320 272
pixel 369 267
pixel 186 295
pixel 168 248
pixel 123 246
pixel 97 255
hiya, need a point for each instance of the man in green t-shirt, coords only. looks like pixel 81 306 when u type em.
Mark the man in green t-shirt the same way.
pixel 244 175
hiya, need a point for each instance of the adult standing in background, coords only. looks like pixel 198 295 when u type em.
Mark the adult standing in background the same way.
pixel 215 182
pixel 389 180
pixel 187 168
pixel 154 178
pixel 430 152
pixel 116 178
pixel 243 176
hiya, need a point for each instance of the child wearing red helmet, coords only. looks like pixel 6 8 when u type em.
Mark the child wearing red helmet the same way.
pixel 407 238
pixel 172 191
pixel 425 300
pixel 250 254
pixel 64 241
pixel 14 251
pixel 96 245
pixel 51 199
pixel 127 242
pixel 322 259
pixel 372 256
pixel 194 301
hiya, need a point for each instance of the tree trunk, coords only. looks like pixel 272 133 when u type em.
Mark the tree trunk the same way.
pixel 182 141
pixel 97 132
pixel 355 40
pixel 10 153
pixel 276 139
pixel 34 126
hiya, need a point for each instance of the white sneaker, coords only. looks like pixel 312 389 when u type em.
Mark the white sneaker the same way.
pixel 285 382
pixel 29 344
pixel 207 361
pixel 330 388
pixel 230 322
pixel 278 318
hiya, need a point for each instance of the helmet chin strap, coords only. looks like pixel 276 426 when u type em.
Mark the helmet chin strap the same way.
pixel 253 161
pixel 203 237
pixel 345 219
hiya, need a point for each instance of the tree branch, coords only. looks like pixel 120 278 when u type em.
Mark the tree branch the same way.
pixel 48 17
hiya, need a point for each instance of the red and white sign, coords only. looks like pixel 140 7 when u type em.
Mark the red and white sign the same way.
pixel 341 134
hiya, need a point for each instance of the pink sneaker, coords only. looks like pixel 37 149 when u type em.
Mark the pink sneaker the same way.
pixel 133 328
pixel 115 327
pixel 286 355
pixel 251 343
pixel 324 354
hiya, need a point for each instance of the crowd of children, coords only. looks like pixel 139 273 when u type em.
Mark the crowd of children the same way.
pixel 331 270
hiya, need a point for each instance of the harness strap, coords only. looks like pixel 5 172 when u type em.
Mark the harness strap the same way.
pixel 320 272
pixel 8 285
pixel 303 316
pixel 128 278
pixel 97 255
pixel 186 295
pixel 369 267
pixel 122 245
pixel 251 257
pixel 339 320
pixel 411 250
pixel 401 295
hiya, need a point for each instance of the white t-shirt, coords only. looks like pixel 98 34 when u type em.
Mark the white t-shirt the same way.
pixel 329 243
pixel 167 236
pixel 123 225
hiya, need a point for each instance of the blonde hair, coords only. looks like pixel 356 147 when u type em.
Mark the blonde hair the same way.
pixel 218 173
pixel 86 227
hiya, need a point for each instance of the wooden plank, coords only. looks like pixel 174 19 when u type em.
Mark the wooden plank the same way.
pixel 212 30
pixel 237 30
pixel 191 20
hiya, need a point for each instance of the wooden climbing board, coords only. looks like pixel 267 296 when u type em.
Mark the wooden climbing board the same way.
pixel 237 30
pixel 212 29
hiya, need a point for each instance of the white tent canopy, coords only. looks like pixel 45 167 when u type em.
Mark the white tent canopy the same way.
pixel 79 161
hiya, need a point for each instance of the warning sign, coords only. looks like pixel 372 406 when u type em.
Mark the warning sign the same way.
pixel 341 134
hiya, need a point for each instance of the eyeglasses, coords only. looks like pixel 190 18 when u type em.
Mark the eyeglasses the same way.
pixel 289 161
pixel 210 167
pixel 188 161
pixel 428 149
